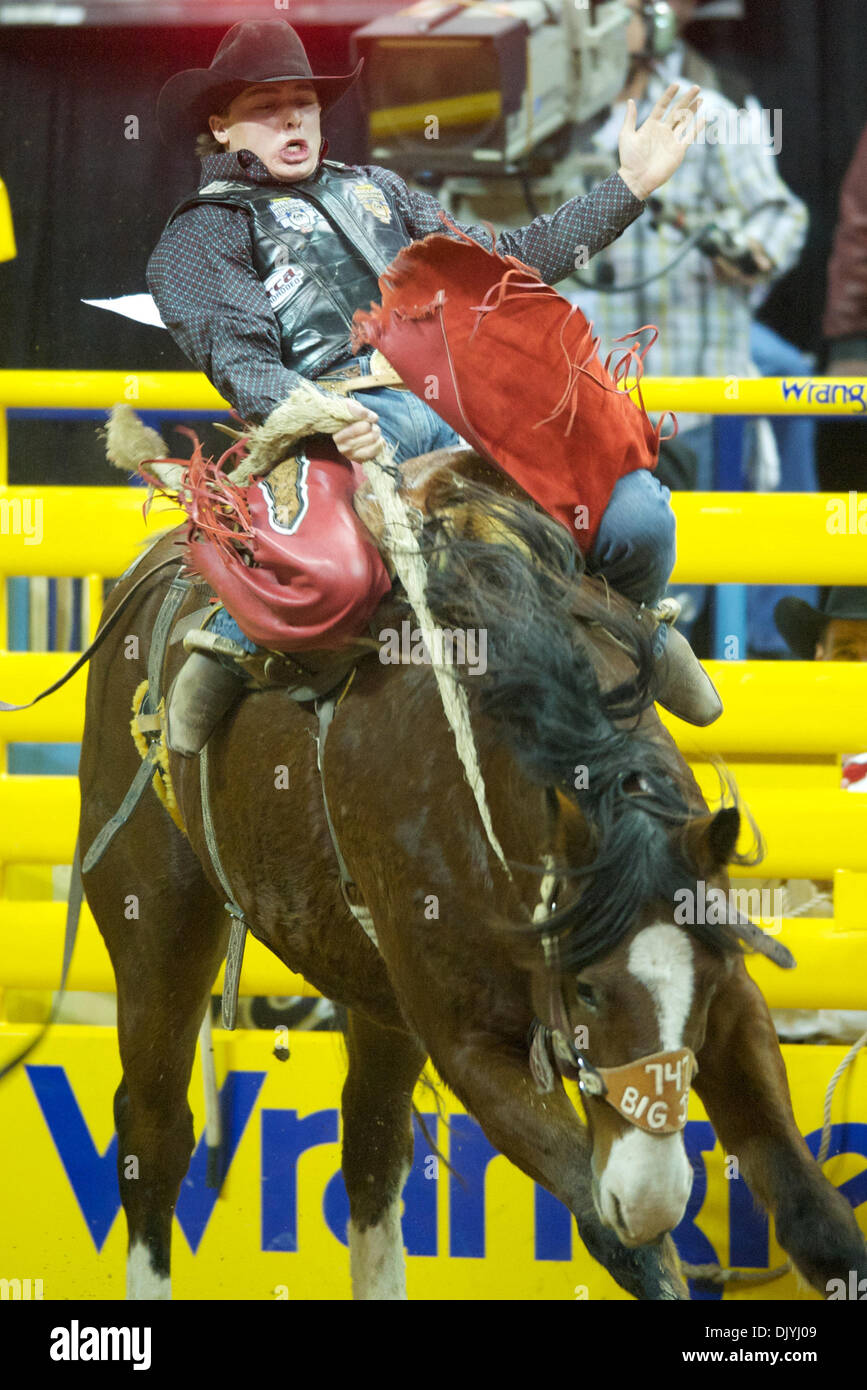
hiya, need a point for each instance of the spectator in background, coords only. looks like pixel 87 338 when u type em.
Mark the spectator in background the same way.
pixel 703 305
pixel 837 631
pixel 794 435
pixel 840 450
pixel 695 67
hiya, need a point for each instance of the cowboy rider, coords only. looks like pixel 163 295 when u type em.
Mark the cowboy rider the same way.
pixel 254 320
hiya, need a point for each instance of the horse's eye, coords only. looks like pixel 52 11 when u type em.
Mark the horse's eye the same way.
pixel 586 994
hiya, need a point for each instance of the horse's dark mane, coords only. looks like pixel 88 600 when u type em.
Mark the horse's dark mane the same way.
pixel 542 693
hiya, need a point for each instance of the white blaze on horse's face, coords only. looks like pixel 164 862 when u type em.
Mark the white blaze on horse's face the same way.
pixel 643 1181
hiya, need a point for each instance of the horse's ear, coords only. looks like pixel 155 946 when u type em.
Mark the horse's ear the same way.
pixel 711 840
pixel 723 834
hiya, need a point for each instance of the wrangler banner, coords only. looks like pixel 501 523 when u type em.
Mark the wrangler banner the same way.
pixel 277 1227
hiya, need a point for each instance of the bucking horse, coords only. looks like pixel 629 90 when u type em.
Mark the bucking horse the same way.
pixel 482 861
pixel 551 980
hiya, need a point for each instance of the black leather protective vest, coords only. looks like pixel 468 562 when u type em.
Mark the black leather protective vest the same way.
pixel 319 247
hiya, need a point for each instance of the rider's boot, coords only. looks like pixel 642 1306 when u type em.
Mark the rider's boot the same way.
pixel 206 687
pixel 687 690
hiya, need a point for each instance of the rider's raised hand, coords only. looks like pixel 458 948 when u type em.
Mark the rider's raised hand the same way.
pixel 363 440
pixel 651 154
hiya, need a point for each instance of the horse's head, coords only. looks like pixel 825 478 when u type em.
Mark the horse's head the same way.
pixel 628 1024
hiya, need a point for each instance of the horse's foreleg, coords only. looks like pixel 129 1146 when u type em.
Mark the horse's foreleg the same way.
pixel 742 1083
pixel 384 1066
pixel 165 963
pixel 543 1136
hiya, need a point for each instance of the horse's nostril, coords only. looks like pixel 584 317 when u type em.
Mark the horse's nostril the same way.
pixel 618 1215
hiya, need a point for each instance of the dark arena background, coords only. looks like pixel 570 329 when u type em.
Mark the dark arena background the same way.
pixel 767 479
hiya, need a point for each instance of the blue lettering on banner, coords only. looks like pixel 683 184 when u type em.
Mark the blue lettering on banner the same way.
pixel 827 393
pixel 196 1201
pixel 553 1227
pixel 93 1176
pixel 285 1136
pixel 793 388
pixel 470 1154
pixel 749 1230
pixel 845 1139
pixel 420 1194
pixel 692 1244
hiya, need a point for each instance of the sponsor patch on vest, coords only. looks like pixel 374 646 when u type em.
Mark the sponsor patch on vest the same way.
pixel 281 284
pixel 373 199
pixel 294 213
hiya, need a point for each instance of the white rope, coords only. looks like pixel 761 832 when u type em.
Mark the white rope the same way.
pixel 829 1096
pixel 213 1120
pixel 546 890
pixel 411 570
pixel 824 900
pixel 817 900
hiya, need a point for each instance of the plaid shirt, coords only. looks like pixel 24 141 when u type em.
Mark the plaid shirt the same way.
pixel 214 304
pixel 704 323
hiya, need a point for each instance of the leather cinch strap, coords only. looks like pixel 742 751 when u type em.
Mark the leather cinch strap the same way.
pixel 325 709
pixel 123 812
pixel 238 930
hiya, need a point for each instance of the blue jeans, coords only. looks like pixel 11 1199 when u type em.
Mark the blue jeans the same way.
pixel 408 424
pixel 635 543
pixel 694 596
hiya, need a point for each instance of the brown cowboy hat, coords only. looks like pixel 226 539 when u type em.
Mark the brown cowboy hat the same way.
pixel 258 50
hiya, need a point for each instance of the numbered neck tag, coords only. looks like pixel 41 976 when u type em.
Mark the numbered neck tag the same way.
pixel 652 1092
